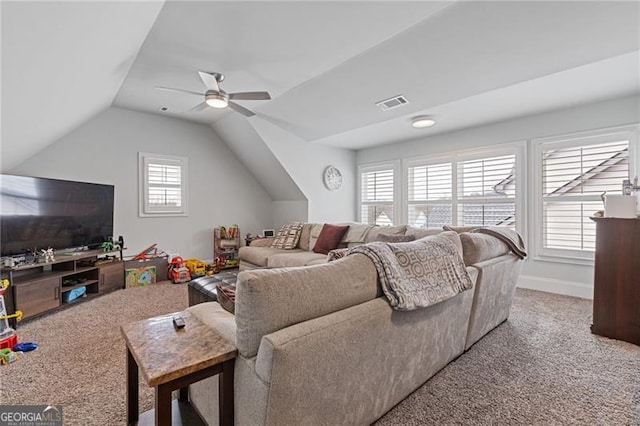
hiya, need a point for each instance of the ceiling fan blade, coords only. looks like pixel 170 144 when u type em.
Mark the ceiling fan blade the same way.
pixel 242 110
pixel 171 89
pixel 199 107
pixel 209 81
pixel 250 96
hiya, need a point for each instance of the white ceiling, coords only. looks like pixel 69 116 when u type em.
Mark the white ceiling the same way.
pixel 324 63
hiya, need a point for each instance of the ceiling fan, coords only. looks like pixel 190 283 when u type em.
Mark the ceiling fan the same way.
pixel 215 97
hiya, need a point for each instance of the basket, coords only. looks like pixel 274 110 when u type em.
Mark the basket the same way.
pixel 226 298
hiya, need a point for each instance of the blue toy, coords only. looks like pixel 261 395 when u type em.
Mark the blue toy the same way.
pixel 25 347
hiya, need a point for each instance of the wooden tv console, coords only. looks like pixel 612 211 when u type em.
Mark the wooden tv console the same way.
pixel 39 288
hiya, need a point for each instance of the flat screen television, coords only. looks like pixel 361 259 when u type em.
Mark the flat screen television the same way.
pixel 38 213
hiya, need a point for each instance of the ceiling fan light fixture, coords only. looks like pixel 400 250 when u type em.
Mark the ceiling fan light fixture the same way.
pixel 217 100
pixel 422 121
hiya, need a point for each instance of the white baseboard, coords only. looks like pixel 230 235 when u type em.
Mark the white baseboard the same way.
pixel 568 288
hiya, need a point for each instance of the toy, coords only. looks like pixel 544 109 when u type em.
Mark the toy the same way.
pixel 25 347
pixel 178 273
pixel 48 255
pixel 107 246
pixel 7 356
pixel 196 267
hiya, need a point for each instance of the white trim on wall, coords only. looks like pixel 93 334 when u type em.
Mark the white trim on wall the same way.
pixel 549 285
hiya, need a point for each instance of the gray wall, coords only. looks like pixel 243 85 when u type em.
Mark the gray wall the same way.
pixel 549 276
pixel 305 162
pixel 105 150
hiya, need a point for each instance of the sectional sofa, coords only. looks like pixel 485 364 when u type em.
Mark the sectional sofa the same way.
pixel 319 344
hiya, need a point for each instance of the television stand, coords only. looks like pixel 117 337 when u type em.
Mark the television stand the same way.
pixel 40 288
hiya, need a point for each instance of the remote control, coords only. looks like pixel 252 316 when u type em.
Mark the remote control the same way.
pixel 178 322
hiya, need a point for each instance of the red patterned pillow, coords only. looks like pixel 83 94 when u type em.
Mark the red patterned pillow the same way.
pixel 330 238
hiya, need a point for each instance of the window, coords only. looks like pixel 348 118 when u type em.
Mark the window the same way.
pixel 467 188
pixel 487 191
pixel 377 194
pixel 572 175
pixel 163 189
pixel 430 201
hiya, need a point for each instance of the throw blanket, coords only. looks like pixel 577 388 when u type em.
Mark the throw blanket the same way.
pixel 419 273
pixel 511 238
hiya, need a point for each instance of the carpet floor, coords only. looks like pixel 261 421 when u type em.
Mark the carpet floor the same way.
pixel 542 367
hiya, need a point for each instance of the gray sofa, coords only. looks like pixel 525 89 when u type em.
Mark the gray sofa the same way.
pixel 320 344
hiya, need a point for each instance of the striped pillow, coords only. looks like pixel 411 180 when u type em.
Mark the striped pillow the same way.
pixel 288 236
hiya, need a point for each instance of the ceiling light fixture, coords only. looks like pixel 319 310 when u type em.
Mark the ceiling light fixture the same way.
pixel 422 121
pixel 216 99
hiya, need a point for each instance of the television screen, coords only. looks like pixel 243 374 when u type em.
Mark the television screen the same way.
pixel 38 213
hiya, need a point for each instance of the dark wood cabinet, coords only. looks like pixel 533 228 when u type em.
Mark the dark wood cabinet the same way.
pixel 39 288
pixel 111 277
pixel 37 296
pixel 616 287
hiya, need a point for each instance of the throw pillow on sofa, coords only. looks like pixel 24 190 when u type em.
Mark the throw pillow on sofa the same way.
pixel 329 238
pixel 386 238
pixel 288 236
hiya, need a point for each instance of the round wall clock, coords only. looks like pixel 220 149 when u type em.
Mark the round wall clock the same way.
pixel 332 178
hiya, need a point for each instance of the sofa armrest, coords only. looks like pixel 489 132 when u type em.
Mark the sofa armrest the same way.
pixel 262 242
pixel 215 317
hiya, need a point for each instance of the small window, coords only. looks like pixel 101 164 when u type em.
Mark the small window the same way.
pixel 377 195
pixel 163 185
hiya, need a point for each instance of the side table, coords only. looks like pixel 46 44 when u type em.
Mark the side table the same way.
pixel 172 359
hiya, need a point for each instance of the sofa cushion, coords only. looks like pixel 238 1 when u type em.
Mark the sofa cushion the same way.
pixel 385 238
pixel 356 233
pixel 270 299
pixel 422 232
pixel 372 235
pixel 460 229
pixel 330 238
pixel 479 247
pixel 259 255
pixel 316 228
pixel 295 258
pixel 288 236
pixel 305 236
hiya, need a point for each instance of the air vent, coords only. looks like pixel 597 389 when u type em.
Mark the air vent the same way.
pixel 391 103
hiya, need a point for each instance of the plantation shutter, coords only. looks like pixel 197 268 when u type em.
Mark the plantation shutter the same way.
pixel 487 191
pixel 377 196
pixel 573 178
pixel 430 195
pixel 164 185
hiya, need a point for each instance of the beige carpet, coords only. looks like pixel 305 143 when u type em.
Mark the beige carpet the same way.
pixel 81 361
pixel 542 367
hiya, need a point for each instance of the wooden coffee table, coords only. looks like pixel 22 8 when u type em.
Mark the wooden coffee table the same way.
pixel 172 359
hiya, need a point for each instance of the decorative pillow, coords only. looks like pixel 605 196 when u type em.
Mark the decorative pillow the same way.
pixel 337 254
pixel 386 238
pixel 288 236
pixel 329 238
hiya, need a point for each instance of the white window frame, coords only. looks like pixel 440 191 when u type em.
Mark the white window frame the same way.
pixel 427 161
pixel 579 257
pixel 517 148
pixel 145 210
pixel 374 167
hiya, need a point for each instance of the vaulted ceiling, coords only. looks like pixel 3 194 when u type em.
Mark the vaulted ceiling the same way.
pixel 325 64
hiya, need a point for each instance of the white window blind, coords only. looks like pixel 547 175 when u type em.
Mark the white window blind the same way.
pixel 377 196
pixel 430 202
pixel 162 185
pixel 487 191
pixel 574 176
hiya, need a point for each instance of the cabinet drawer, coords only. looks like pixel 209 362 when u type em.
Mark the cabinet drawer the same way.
pixel 111 277
pixel 35 297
